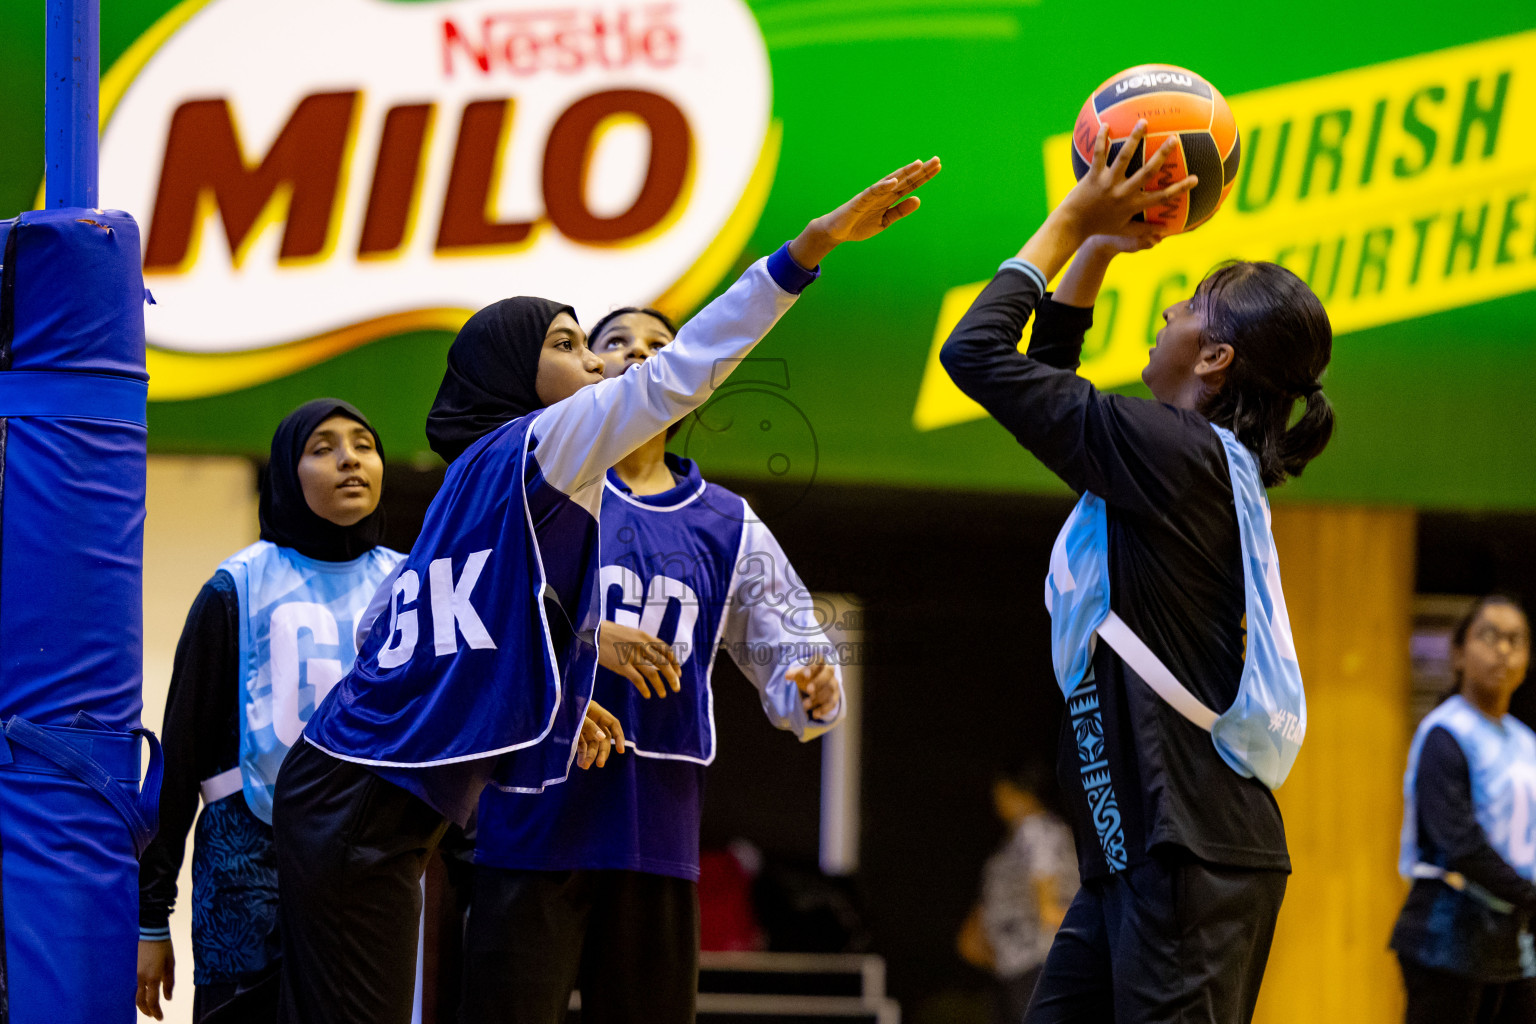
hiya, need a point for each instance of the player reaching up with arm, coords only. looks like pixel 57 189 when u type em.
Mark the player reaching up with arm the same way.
pixel 480 662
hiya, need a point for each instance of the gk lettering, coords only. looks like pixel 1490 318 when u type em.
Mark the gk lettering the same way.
pixel 453 615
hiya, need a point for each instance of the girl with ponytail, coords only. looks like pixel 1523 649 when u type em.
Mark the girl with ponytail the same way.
pixel 1191 711
pixel 1280 341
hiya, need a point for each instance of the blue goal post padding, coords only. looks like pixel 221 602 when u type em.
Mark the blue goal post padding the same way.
pixel 72 463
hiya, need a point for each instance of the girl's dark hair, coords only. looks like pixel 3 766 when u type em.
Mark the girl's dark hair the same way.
pixel 1281 343
pixel 597 328
pixel 1464 626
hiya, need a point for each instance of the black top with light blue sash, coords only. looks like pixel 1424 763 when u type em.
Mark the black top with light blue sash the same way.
pixel 1136 774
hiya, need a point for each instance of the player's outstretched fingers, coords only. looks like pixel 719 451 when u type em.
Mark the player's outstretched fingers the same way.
pixel 893 182
pixel 1100 151
pixel 1132 144
pixel 917 174
pixel 1177 188
pixel 1153 164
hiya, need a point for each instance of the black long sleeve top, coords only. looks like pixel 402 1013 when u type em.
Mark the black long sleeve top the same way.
pixel 1175 578
pixel 1440 927
pixel 200 736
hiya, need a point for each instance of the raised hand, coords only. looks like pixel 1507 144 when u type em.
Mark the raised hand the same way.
pixel 1106 199
pixel 648 663
pixel 818 683
pixel 600 734
pixel 1103 202
pixel 866 214
pixel 1136 236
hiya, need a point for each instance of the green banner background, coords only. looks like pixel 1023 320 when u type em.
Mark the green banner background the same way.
pixel 1435 411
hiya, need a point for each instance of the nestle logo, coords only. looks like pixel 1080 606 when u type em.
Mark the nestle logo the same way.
pixel 1147 81
pixel 562 40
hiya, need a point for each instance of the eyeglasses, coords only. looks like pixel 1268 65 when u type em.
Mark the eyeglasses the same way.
pixel 1493 636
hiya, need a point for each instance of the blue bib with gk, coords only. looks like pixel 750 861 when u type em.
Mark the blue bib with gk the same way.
pixel 1501 761
pixel 486 648
pixel 1260 735
pixel 297 617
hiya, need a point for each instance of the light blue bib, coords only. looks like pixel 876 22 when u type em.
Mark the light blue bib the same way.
pixel 1501 760
pixel 297 617
pixel 1260 735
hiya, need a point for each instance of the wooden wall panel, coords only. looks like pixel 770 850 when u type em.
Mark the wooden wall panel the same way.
pixel 1348 574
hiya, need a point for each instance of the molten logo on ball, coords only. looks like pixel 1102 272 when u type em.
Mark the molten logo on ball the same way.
pixel 1174 102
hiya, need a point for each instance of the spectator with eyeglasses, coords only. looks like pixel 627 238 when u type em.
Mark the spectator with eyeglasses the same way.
pixel 1463 938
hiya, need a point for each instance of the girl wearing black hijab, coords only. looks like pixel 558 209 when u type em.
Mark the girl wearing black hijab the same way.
pixel 266 638
pixel 480 663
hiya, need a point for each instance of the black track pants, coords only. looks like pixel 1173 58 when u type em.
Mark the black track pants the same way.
pixel 351 849
pixel 628 940
pixel 1170 941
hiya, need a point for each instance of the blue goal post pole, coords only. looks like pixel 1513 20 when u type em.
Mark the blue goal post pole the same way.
pixel 73 428
pixel 70 117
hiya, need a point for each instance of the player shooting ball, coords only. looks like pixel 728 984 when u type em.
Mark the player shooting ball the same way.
pixel 1180 843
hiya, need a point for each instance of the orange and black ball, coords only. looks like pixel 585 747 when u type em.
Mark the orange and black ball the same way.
pixel 1173 101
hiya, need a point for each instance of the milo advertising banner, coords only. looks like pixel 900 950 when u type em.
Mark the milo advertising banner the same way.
pixel 328 188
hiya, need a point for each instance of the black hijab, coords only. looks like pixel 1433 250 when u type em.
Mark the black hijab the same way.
pixel 286 518
pixel 492 366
